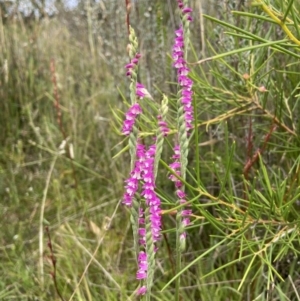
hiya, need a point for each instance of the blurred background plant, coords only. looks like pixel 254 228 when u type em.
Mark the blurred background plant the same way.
pixel 57 166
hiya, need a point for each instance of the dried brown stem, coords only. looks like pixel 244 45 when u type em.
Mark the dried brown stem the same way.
pixel 53 261
pixel 128 8
pixel 255 157
pixel 56 98
pixel 59 118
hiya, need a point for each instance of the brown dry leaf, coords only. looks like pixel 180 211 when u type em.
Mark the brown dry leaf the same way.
pixel 95 229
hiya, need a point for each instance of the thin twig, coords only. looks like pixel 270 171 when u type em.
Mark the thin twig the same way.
pixel 202 32
pixel 41 230
pixel 59 120
pixel 128 7
pixel 56 98
pixel 53 261
pixel 255 157
pixel 294 287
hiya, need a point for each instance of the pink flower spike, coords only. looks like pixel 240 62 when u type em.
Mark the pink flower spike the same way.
pixel 143 266
pixel 164 128
pixel 129 121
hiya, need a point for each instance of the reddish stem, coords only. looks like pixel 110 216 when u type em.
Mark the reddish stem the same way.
pixel 59 117
pixel 56 97
pixel 250 140
pixel 53 261
pixel 128 7
pixel 250 162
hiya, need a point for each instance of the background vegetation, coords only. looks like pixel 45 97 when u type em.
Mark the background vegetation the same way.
pixel 63 90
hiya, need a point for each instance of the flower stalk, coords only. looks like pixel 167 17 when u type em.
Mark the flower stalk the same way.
pixel 145 216
pixel 184 124
pixel 129 128
pixel 162 132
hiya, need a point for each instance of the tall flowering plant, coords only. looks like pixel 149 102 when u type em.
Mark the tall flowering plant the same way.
pixel 130 129
pixel 185 117
pixel 145 207
pixel 146 211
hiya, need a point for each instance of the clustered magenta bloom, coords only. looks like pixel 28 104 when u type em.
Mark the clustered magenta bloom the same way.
pixel 134 110
pixel 142 229
pixel 182 69
pixel 132 183
pixel 148 192
pixel 178 184
pixel 129 67
pixel 142 271
pixel 163 126
pixel 143 171
pixel 146 216
pixel 185 10
pixel 183 80
pixel 143 266
pixel 129 121
pixel 178 54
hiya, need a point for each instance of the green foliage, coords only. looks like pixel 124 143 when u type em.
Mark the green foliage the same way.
pixel 243 161
pixel 40 184
pixel 244 179
pixel 243 173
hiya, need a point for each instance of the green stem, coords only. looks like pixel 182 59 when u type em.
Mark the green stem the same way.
pixel 133 140
pixel 150 254
pixel 178 256
pixel 134 219
pixel 184 149
pixel 160 135
pixel 196 135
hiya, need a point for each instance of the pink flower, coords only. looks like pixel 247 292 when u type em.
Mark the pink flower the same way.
pixel 130 118
pixel 143 266
pixel 163 126
pixel 132 182
pixel 142 290
pixel 142 92
pixel 180 3
pixel 186 213
pixel 134 61
pixel 148 192
pixel 182 75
